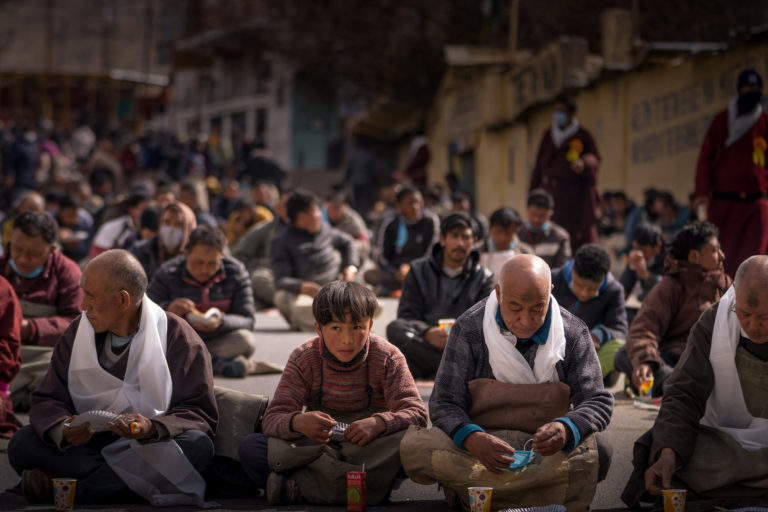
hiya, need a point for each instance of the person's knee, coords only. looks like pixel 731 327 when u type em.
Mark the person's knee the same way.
pixel 621 361
pixel 253 457
pixel 245 341
pixel 197 447
pixel 20 445
pixel 399 334
pixel 604 456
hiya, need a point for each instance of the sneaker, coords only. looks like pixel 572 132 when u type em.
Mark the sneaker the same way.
pixel 236 368
pixel 262 367
pixel 282 490
pixel 36 485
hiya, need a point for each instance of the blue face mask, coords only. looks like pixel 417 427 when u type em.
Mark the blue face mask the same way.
pixel 543 227
pixel 522 458
pixel 560 119
pixel 31 275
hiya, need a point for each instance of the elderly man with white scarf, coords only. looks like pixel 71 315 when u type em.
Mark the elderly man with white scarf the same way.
pixel 140 380
pixel 711 434
pixel 517 400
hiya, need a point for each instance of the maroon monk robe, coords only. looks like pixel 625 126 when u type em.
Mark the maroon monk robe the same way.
pixel 743 225
pixel 575 194
pixel 10 354
pixel 58 286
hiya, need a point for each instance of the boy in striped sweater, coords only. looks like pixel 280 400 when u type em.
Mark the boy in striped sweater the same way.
pixel 344 375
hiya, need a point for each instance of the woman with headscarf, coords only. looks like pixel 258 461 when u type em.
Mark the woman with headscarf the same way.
pixel 176 223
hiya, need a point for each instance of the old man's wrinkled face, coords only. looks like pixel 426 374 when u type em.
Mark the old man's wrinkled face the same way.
pixel 522 309
pixel 751 308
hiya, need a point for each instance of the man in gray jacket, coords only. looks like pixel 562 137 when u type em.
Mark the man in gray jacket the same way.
pixel 306 255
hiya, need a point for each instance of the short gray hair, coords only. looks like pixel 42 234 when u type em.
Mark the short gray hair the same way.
pixel 125 271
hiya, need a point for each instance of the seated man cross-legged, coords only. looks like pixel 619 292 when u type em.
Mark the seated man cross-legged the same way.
pixel 711 434
pixel 202 278
pixel 517 368
pixel 344 374
pixel 125 355
pixel 586 288
pixel 441 286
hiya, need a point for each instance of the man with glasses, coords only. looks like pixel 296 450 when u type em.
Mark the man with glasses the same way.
pixel 711 434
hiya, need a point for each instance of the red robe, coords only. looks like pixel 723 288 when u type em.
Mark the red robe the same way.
pixel 10 353
pixel 743 225
pixel 575 194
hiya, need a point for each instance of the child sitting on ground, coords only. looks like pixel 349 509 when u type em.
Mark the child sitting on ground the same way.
pixel 344 374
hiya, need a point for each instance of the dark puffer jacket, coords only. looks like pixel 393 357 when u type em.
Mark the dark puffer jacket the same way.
pixel 430 294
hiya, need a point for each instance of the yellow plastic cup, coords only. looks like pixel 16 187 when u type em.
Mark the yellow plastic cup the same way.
pixel 674 500
pixel 480 499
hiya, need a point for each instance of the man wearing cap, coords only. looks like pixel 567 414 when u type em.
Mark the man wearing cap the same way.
pixel 731 177
pixel 566 167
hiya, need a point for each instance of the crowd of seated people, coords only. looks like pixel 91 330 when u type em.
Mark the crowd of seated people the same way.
pixel 118 275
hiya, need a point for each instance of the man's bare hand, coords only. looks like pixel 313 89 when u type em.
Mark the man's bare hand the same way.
pixel 577 166
pixel 77 435
pixel 550 438
pixel 641 373
pixel 366 430
pixel 491 451
pixel 315 425
pixel 349 273
pixel 595 342
pixel 27 330
pixel 590 160
pixel 638 264
pixel 142 428
pixel 309 288
pixel 659 475
pixel 436 337
pixel 180 306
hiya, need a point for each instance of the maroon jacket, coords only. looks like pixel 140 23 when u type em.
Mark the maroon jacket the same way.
pixel 58 285
pixel 670 310
pixel 10 354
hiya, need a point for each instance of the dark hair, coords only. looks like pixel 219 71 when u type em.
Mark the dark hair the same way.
pixel 405 192
pixel 647 234
pixel 206 234
pixel 134 200
pixel 299 201
pixel 338 196
pixel 691 238
pixel 243 203
pixel 592 262
pixel 338 300
pixel 541 198
pixel 188 187
pixel 567 101
pixel 35 224
pixel 68 202
pixel 54 196
pixel 150 218
pixel 505 217
pixel 457 220
pixel 460 195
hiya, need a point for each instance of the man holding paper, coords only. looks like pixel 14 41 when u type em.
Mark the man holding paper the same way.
pixel 516 367
pixel 124 355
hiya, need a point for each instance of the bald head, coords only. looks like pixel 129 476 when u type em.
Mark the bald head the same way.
pixel 30 202
pixel 120 270
pixel 526 270
pixel 525 282
pixel 751 304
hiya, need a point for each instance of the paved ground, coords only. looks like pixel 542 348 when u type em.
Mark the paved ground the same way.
pixel 278 342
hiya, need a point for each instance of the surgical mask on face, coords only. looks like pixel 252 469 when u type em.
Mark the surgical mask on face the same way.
pixel 560 119
pixel 748 101
pixel 532 229
pixel 171 237
pixel 31 275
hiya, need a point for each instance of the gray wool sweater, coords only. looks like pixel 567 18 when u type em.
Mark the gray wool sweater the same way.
pixel 466 358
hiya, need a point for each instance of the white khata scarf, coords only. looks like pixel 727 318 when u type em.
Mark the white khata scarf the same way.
pixel 508 364
pixel 726 409
pixel 561 135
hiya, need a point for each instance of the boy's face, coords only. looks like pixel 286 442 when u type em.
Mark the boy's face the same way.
pixel 649 251
pixel 584 289
pixel 538 216
pixel 345 339
pixel 410 206
pixel 502 236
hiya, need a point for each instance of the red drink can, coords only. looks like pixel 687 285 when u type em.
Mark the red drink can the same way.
pixel 356 495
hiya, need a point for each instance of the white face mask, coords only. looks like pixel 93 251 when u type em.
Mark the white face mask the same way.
pixel 171 237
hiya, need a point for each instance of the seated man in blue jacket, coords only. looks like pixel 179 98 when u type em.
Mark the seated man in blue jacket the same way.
pixel 585 287
pixel 441 286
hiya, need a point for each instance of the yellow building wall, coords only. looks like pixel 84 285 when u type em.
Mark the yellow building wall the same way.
pixel 648 124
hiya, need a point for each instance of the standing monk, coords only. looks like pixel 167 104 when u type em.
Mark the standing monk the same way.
pixel 731 175
pixel 566 167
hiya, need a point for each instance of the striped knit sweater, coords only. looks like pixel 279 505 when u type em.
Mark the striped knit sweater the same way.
pixel 345 389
